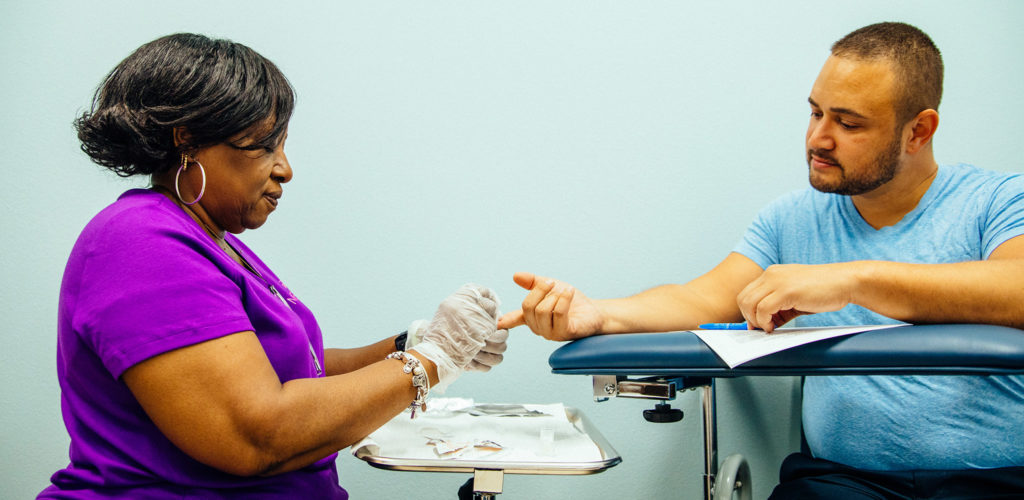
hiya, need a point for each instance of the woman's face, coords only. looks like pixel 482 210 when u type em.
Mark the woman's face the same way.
pixel 243 182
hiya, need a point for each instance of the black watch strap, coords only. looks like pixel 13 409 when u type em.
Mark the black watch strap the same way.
pixel 400 340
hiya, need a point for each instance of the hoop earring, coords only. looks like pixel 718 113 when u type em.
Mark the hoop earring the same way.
pixel 184 166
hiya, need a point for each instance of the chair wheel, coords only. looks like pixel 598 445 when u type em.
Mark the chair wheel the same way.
pixel 663 413
pixel 733 477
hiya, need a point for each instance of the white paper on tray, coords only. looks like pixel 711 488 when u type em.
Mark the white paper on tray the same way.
pixel 736 347
pixel 550 437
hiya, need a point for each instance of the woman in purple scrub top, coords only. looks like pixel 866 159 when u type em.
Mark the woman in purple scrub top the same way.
pixel 187 368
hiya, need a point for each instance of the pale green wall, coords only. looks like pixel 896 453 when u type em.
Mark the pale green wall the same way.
pixel 616 145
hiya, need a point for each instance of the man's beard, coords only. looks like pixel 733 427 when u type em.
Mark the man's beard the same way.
pixel 883 169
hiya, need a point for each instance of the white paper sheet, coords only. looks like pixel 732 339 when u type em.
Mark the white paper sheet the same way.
pixel 736 347
pixel 548 438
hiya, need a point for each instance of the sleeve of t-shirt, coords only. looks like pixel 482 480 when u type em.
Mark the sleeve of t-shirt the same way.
pixel 149 287
pixel 1005 214
pixel 760 243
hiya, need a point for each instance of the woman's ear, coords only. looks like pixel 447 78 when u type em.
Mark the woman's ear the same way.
pixel 181 137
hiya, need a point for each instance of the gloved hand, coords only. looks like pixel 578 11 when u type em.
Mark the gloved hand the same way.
pixel 460 328
pixel 490 354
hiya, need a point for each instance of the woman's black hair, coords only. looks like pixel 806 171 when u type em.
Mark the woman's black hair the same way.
pixel 213 89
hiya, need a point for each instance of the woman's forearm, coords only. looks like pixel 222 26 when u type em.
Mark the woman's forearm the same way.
pixel 340 361
pixel 321 416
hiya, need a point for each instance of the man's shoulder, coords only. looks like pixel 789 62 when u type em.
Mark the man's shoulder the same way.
pixel 960 173
pixel 969 183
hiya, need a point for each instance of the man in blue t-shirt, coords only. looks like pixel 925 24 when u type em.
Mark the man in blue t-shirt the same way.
pixel 885 235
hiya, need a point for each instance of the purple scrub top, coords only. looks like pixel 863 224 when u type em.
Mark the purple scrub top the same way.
pixel 144 279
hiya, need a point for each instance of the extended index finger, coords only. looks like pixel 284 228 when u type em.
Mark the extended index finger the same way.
pixel 511 319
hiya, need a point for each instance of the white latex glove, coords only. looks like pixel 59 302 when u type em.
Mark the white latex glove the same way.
pixel 490 354
pixel 460 328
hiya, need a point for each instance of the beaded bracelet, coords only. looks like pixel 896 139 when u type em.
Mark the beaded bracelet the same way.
pixel 420 380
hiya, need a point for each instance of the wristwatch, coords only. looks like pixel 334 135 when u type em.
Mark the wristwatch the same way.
pixel 400 340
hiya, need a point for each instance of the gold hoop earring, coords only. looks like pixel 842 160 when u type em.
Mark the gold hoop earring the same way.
pixel 184 166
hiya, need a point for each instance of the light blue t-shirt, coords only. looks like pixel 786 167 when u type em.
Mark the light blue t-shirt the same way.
pixel 903 422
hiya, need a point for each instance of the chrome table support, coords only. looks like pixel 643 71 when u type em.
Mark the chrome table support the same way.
pixel 710 439
pixel 487 483
pixel 664 389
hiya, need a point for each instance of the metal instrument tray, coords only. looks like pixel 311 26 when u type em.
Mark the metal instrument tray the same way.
pixel 609 457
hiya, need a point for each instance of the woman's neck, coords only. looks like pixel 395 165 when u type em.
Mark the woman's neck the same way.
pixel 210 228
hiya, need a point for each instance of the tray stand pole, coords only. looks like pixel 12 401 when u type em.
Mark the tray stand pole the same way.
pixel 487 483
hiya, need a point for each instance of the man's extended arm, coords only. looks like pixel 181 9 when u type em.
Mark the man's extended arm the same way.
pixel 557 311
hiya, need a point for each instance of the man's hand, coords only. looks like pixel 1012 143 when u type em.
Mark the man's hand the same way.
pixel 783 292
pixel 553 309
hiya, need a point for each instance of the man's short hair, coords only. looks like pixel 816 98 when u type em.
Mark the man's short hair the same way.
pixel 915 58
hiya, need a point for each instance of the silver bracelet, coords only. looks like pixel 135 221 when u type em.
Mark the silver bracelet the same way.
pixel 420 380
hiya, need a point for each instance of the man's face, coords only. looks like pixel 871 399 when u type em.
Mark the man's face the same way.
pixel 853 142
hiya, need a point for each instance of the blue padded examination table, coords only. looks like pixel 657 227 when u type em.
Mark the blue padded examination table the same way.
pixel 657 365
